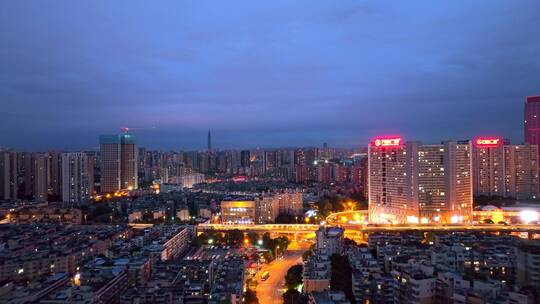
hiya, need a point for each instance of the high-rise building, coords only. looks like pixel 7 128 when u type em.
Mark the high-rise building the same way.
pixel 110 163
pixel 532 120
pixel 458 180
pixel 411 183
pixel 118 162
pixel 35 169
pixel 40 163
pixel 8 175
pixel 505 170
pixel 55 173
pixel 128 162
pixel 488 166
pixel 390 181
pixel 521 171
pixel 77 177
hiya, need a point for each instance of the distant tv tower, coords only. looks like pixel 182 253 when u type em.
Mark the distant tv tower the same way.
pixel 209 141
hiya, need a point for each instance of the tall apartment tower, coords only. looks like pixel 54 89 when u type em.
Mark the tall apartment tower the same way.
pixel 391 191
pixel 118 162
pixel 459 184
pixel 521 171
pixel 8 175
pixel 55 172
pixel 411 183
pixel 488 166
pixel 40 164
pixel 532 120
pixel 77 177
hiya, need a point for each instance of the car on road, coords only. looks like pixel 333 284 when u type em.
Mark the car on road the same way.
pixel 265 275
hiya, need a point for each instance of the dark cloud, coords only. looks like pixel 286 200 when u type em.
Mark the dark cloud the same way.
pixel 260 73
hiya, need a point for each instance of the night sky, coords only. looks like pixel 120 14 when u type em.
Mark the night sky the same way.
pixel 264 73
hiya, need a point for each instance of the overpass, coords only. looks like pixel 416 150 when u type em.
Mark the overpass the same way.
pixel 276 228
pixel 352 227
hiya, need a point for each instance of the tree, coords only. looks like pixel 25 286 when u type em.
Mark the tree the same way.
pixel 293 279
pixel 293 296
pixel 251 297
pixel 210 237
pixel 253 238
pixel 235 237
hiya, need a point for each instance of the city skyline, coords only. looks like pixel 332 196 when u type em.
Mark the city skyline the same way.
pixel 299 75
pixel 270 152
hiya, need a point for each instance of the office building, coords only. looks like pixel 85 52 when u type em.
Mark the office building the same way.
pixel 110 163
pixel 238 212
pixel 128 162
pixel 118 162
pixel 77 177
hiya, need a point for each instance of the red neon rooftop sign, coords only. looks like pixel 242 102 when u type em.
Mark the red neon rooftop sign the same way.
pixel 487 141
pixel 387 142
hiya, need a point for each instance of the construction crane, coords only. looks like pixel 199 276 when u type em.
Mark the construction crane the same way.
pixel 127 129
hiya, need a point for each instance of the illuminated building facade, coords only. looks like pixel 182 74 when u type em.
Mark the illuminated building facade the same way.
pixel 521 171
pixel 415 183
pixel 488 167
pixel 238 212
pixel 390 187
pixel 522 214
pixel 459 188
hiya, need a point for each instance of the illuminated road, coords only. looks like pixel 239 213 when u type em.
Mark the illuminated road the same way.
pixel 358 227
pixel 279 228
pixel 271 290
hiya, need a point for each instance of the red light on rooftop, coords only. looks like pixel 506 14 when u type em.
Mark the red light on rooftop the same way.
pixel 486 142
pixel 387 142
